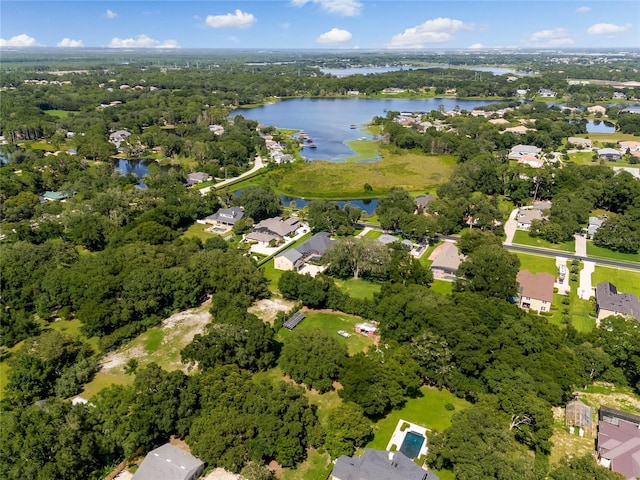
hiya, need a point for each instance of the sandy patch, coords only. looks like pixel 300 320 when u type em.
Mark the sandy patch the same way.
pixel 222 474
pixel 267 310
pixel 178 330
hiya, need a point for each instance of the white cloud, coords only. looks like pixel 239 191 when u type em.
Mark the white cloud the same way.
pixel 22 40
pixel 437 30
pixel 583 9
pixel 476 46
pixel 110 14
pixel 335 35
pixel 347 8
pixel 238 19
pixel 143 41
pixel 68 42
pixel 608 29
pixel 555 37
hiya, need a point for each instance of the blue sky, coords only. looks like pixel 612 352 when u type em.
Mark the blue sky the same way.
pixel 325 24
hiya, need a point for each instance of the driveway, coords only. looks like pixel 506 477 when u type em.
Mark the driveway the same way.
pixel 511 226
pixel 581 245
pixel 585 290
pixel 563 287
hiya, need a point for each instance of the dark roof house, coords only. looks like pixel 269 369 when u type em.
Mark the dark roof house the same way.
pixel 310 250
pixel 379 465
pixel 197 177
pixel 226 216
pixel 423 200
pixel 273 229
pixel 169 463
pixel 618 442
pixel 610 302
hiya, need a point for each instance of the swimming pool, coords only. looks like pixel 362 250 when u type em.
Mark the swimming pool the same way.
pixel 412 444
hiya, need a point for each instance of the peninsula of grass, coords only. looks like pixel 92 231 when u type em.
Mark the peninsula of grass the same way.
pixel 599 252
pixel 626 281
pixel 413 171
pixel 364 150
pixel 522 238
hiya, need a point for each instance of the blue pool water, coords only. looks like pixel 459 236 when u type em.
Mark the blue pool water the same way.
pixel 412 444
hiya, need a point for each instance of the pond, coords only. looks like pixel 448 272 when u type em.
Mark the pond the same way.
pixel 138 167
pixel 600 126
pixel 330 121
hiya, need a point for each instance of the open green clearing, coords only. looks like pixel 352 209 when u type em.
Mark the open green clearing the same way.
pixel 522 238
pixel 271 274
pixel 197 230
pixel 358 288
pixel 414 172
pixel 537 263
pixel 330 323
pixel 364 150
pixel 428 411
pixel 59 113
pixel 595 251
pixel 626 281
pixel 442 286
pixel 317 466
pixel 103 380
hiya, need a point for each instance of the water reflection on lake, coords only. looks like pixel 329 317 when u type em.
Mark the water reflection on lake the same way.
pixel 600 126
pixel 329 121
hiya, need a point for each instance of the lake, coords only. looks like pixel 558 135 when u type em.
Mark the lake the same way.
pixel 328 120
pixel 600 126
pixel 138 167
pixel 346 72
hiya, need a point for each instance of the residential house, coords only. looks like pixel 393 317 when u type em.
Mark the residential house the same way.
pixel 520 129
pixel 535 291
pixel 54 196
pixel 629 146
pixel 169 463
pixel 609 154
pixel 197 177
pixel 531 161
pixel 226 216
pixel 217 129
pixel 118 137
pixel 525 217
pixel 380 465
pixel 546 93
pixel 446 263
pixel 610 302
pixel 631 170
pixel 366 329
pixel 594 224
pixel 311 250
pixel 578 415
pixel 387 239
pixel 519 151
pixel 618 442
pixel 422 201
pixel 542 205
pixel 273 229
pixel 619 96
pixel 499 121
pixel 579 142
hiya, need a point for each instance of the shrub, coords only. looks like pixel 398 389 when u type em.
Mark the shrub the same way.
pixel 449 406
pixel 404 426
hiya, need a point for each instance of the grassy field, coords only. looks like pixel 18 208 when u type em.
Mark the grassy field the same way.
pixel 342 180
pixel 537 263
pixel 595 251
pixel 440 286
pixel 358 288
pixel 271 274
pixel 103 380
pixel 364 150
pixel 317 466
pixel 197 230
pixel 626 281
pixel 428 411
pixel 330 323
pixel 59 113
pixel 373 234
pixel 522 238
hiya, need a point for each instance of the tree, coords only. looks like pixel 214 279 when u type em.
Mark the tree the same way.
pixel 582 468
pixel 313 358
pixel 327 216
pixel 471 240
pixel 259 203
pixel 356 256
pixel 620 233
pixel 347 429
pixel 490 271
pixel 406 269
pixel 434 357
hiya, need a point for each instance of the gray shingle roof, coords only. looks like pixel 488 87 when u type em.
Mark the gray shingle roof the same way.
pixel 608 298
pixel 379 465
pixel 169 463
pixel 227 215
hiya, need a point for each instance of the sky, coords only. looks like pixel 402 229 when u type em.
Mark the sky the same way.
pixel 321 24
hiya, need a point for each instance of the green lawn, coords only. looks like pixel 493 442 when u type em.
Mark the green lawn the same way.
pixel 358 288
pixel 595 251
pixel 103 380
pixel 373 234
pixel 626 281
pixel 317 466
pixel 59 113
pixel 537 263
pixel 578 310
pixel 330 323
pixel 271 274
pixel 440 286
pixel 428 411
pixel 73 328
pixel 522 237
pixel 197 230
